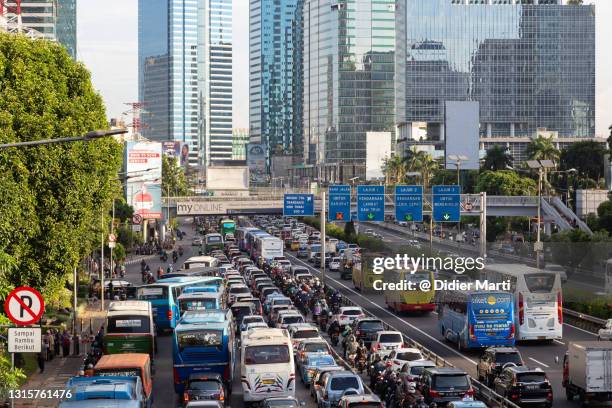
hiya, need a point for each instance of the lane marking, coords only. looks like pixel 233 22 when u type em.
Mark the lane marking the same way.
pixel 559 342
pixel 582 330
pixel 389 313
pixel 539 362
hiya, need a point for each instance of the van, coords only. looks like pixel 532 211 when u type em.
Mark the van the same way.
pixel 129 328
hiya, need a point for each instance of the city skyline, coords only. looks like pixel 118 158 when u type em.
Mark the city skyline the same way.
pixel 112 57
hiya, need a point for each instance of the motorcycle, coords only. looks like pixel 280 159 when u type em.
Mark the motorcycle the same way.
pixel 335 339
pixel 361 364
pixel 180 251
pixel 164 257
pixel 351 358
pixel 174 258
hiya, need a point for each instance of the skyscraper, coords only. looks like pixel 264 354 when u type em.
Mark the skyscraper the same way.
pixel 185 68
pixel 530 64
pixel 348 82
pixel 54 19
pixel 275 75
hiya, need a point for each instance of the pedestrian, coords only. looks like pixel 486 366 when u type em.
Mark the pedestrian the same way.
pixel 40 358
pixel 51 345
pixel 57 342
pixel 66 343
pixel 45 346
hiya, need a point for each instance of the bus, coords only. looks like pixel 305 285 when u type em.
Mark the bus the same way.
pixel 266 366
pixel 477 319
pixel 203 341
pixel 129 328
pixel 227 226
pixel 414 300
pixel 241 237
pixel 538 300
pixel 362 274
pixel 163 297
pixel 212 241
pixel 200 262
pixel 131 365
pixel 267 248
pixel 199 301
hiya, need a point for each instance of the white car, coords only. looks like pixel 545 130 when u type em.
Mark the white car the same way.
pixel 416 368
pixel 606 332
pixel 302 331
pixel 387 341
pixel 403 355
pixel 347 314
pixel 197 241
pixel 335 264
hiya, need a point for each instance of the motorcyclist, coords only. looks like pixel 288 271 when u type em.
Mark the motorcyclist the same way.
pixel 377 367
pixel 420 402
pixel 361 354
pixel 169 269
pixel 351 346
pixel 180 250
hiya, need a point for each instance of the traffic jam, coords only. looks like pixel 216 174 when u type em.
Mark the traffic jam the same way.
pixel 249 315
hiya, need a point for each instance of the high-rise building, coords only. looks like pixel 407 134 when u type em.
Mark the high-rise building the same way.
pixel 215 77
pixel 239 141
pixel 348 82
pixel 185 73
pixel 53 19
pixel 529 63
pixel 275 75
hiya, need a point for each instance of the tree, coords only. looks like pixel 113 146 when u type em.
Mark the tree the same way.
pixel 52 195
pixel 604 213
pixel 574 2
pixel 349 230
pixel 123 211
pixel 587 157
pixel 173 178
pixel 542 148
pixel 393 168
pixel 505 182
pixel 421 162
pixel 498 158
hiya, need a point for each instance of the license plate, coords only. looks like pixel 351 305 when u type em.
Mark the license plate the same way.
pixel 532 387
pixel 268 382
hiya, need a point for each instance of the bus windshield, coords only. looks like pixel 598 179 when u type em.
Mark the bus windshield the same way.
pixel 540 282
pixel 128 324
pixel 153 293
pixel 197 304
pixel 213 239
pixel 268 354
pixel 200 338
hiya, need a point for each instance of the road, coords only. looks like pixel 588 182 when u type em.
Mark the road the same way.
pixel 163 382
pixel 424 330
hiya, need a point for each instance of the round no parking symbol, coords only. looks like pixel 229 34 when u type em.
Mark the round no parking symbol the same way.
pixel 24 306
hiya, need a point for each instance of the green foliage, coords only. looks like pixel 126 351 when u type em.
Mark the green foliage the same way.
pixel 127 237
pixel 173 178
pixel 498 158
pixel 495 227
pixel 349 229
pixel 9 379
pixel 604 212
pixel 123 211
pixel 505 182
pixel 586 157
pixel 52 195
pixel 332 230
pixel 118 252
pixel 542 148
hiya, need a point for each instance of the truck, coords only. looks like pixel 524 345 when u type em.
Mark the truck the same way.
pixel 587 371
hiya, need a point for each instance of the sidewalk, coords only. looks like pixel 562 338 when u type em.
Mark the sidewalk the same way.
pixel 60 369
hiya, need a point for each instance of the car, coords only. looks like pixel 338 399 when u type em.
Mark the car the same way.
pixel 197 241
pixel 524 386
pixel 204 386
pixel 360 400
pixel 280 402
pixel 403 355
pixel 251 319
pixel 310 346
pixel 302 252
pixel 204 404
pixel 466 404
pixel 347 314
pixel 335 384
pixel 386 341
pixel 493 360
pixel 415 368
pixel 335 264
pixel 314 361
pixel 236 289
pixel 443 385
pixel 366 329
pixel 287 318
pixel 316 380
pixel 606 332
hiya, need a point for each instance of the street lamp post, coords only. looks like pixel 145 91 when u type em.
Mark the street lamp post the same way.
pixel 96 134
pixel 458 159
pixel 540 165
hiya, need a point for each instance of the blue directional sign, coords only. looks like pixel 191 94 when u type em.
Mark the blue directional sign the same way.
pixel 409 203
pixel 298 205
pixel 339 203
pixel 371 203
pixel 446 202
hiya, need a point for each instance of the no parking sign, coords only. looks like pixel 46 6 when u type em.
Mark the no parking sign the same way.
pixel 24 306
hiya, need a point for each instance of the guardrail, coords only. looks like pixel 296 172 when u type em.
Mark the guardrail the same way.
pixel 584 321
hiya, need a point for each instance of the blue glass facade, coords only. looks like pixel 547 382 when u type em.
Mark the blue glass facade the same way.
pixel 530 64
pixel 275 75
pixel 348 80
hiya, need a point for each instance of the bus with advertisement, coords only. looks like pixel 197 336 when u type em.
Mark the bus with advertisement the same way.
pixel 227 226
pixel 477 319
pixel 415 300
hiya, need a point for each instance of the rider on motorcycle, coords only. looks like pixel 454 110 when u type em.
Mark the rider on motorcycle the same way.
pixel 351 346
pixel 361 355
pixel 377 367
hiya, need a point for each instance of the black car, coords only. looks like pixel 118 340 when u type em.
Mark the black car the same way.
pixel 365 329
pixel 204 387
pixel 494 360
pixel 524 386
pixel 443 385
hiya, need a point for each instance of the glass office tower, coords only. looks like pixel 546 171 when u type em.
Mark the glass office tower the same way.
pixel 348 81
pixel 530 64
pixel 66 25
pixel 275 75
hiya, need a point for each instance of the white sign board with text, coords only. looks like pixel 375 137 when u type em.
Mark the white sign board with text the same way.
pixel 24 340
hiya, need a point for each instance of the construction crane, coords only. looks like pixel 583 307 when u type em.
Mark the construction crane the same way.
pixel 10 19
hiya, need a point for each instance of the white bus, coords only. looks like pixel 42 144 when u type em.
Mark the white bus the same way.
pixel 200 262
pixel 538 300
pixel 268 247
pixel 266 367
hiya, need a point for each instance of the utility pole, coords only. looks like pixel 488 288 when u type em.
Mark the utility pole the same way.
pixel 538 243
pixel 323 236
pixel 483 224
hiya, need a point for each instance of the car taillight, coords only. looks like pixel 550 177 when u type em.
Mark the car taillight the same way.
pixel 175 375
pixel 521 309
pixel 185 397
pixel 169 314
pixel 469 393
pixel 375 346
pixel 227 373
pixel 549 396
pixel 512 331
pixel 514 396
pixel 472 335
pixel 357 333
pixel 434 394
pixel 559 308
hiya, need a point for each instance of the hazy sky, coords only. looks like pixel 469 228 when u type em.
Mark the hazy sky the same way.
pixel 108 45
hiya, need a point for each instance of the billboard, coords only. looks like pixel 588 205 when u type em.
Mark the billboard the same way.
pixel 143 187
pixel 172 148
pixel 378 146
pixel 462 134
pixel 256 161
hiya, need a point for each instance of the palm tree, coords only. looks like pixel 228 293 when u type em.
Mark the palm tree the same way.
pixel 498 158
pixel 422 162
pixel 542 148
pixel 393 168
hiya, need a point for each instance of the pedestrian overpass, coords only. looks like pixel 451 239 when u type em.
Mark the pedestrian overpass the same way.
pixel 553 210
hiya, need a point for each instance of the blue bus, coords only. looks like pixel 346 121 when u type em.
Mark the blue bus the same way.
pixel 203 341
pixel 476 319
pixel 164 295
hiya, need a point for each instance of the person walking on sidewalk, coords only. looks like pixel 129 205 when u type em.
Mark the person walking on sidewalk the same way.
pixel 40 358
pixel 51 345
pixel 57 342
pixel 66 343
